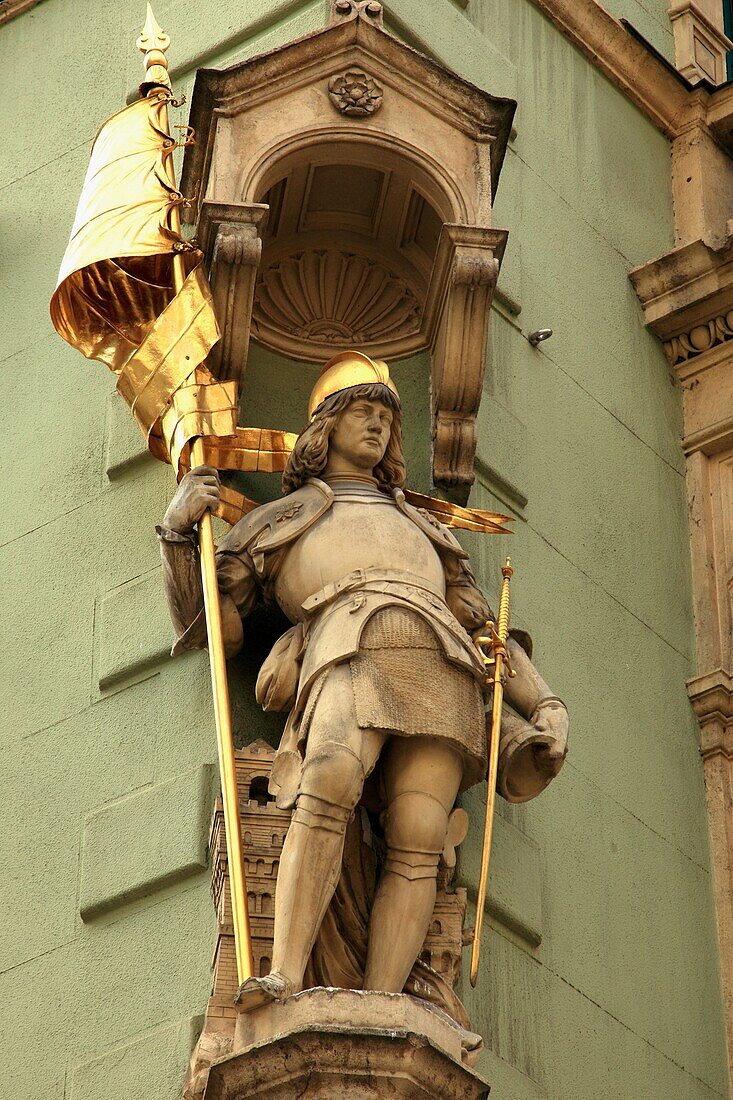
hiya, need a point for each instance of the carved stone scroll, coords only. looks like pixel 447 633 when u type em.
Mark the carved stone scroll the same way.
pixel 368 10
pixel 464 279
pixel 231 236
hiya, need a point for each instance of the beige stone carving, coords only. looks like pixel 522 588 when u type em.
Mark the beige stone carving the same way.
pixel 466 270
pixel 264 828
pixel 336 1043
pixel 232 236
pixel 699 339
pixel 369 10
pixel 700 44
pixel 384 689
pixel 379 226
pixel 355 93
pixel 329 299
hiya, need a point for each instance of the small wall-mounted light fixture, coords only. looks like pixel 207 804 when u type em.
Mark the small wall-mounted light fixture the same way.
pixel 539 335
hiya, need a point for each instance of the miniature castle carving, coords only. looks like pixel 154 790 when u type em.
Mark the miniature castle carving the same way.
pixel 264 827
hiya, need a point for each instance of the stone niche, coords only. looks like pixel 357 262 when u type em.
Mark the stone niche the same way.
pixel 345 189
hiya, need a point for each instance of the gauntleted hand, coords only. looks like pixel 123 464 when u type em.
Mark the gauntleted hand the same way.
pixel 199 489
pixel 552 720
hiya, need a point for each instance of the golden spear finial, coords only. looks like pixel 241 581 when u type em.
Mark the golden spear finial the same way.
pixel 153 42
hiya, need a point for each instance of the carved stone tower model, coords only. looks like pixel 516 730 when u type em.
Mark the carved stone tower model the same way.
pixel 264 827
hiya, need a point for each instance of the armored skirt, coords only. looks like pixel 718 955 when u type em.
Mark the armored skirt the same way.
pixel 403 684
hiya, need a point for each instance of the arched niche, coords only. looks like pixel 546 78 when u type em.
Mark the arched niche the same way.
pixel 346 187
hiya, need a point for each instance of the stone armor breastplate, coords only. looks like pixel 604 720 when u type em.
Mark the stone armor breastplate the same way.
pixel 362 530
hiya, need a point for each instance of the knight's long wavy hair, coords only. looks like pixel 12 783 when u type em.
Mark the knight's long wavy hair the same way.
pixel 310 454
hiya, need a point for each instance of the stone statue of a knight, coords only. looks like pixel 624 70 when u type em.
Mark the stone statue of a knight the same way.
pixel 379 673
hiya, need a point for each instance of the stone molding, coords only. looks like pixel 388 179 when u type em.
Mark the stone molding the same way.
pixel 700 46
pixel 11 8
pixel 325 1042
pixel 642 76
pixel 665 98
pixel 230 234
pixel 700 339
pixel 689 286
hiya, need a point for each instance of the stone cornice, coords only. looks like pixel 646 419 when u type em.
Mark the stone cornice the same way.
pixel 15 7
pixel 643 77
pixel 688 287
pixel 720 115
pixel 662 94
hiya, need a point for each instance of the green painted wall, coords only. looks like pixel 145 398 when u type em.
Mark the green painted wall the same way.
pixel 601 964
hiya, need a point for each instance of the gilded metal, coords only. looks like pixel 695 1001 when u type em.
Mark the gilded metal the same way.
pixel 455 515
pixel 153 42
pixel 348 368
pixel 187 405
pixel 497 666
pixel 132 293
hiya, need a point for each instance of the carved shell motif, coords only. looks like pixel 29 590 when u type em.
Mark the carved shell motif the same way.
pixel 334 298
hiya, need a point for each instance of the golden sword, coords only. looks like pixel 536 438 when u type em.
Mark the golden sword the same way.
pixel 496 663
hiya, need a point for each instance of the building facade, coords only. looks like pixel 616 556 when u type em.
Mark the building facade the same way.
pixel 608 959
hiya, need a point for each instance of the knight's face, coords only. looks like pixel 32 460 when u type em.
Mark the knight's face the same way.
pixel 362 433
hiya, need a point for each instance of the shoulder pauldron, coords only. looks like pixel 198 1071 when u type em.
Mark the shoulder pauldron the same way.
pixel 278 523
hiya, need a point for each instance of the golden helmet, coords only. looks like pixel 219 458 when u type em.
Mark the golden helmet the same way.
pixel 347 369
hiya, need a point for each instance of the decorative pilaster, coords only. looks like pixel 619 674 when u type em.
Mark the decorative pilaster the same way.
pixel 687 297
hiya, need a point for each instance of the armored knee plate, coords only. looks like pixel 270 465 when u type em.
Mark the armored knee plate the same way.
pixel 333 773
pixel 330 787
pixel 415 826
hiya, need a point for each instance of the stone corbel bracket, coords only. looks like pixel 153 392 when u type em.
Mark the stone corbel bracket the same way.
pixel 459 299
pixel 230 235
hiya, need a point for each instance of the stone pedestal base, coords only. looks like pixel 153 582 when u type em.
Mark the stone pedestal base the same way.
pixel 325 1044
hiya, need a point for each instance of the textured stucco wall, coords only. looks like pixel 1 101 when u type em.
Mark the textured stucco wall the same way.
pixel 601 973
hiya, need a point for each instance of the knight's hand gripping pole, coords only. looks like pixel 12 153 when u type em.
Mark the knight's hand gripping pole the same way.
pixel 497 667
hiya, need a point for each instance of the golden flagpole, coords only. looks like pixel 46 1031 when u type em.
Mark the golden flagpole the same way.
pixel 153 43
pixel 496 660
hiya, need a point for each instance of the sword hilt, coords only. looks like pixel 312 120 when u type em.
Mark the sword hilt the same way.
pixel 502 626
pixel 493 643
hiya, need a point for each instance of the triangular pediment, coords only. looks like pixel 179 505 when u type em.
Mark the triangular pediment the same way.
pixel 305 63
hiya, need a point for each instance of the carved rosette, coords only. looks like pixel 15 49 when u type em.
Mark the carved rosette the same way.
pixel 333 299
pixel 355 93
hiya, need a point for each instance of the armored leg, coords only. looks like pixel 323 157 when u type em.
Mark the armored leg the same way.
pixel 338 758
pixel 422 779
